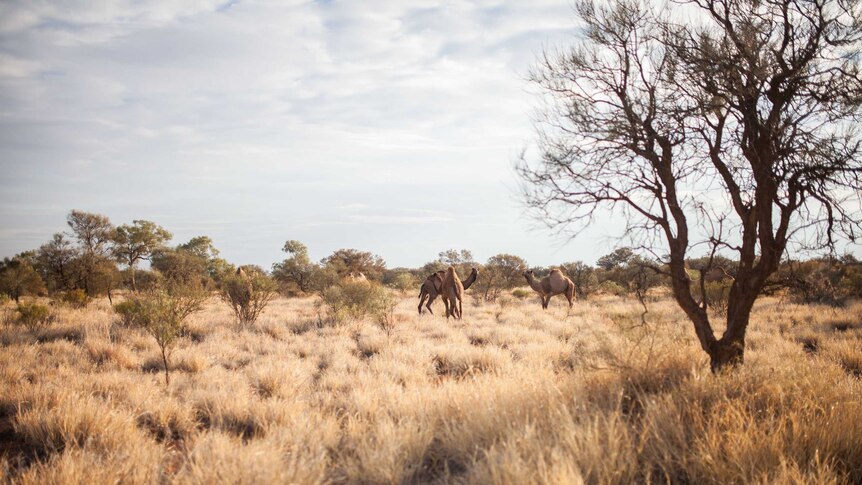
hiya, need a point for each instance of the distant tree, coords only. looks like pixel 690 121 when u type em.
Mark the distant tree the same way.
pixel 344 261
pixel 203 248
pixel 200 246
pixel 55 261
pixel 404 281
pixel 196 260
pixel 18 277
pixel 94 233
pixel 583 276
pixel 136 242
pixel 658 113
pixel 180 266
pixel 619 257
pixel 297 270
pixel 453 257
pixel 501 272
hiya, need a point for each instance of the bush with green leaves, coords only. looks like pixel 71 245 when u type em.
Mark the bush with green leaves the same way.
pixel 522 293
pixel 33 315
pixel 73 298
pixel 162 314
pixel 718 295
pixel 612 288
pixel 353 300
pixel 248 294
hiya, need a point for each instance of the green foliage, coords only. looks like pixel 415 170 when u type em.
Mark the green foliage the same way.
pixel 128 311
pixel 462 260
pixel 54 262
pixel 33 315
pixel 344 261
pixel 583 276
pixel 353 300
pixel 295 273
pixel 162 314
pixel 827 280
pixel 502 272
pixel 619 257
pixel 404 282
pixel 611 288
pixel 521 293
pixel 19 278
pixel 718 295
pixel 248 294
pixel 73 298
pixel 136 242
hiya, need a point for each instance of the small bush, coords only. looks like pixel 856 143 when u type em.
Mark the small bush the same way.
pixel 248 294
pixel 521 293
pixel 74 298
pixel 162 314
pixel 128 311
pixel 717 296
pixel 33 315
pixel 353 300
pixel 612 288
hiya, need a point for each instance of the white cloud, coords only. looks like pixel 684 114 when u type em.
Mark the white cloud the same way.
pixel 275 115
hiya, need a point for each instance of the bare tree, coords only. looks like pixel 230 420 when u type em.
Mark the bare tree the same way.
pixel 736 133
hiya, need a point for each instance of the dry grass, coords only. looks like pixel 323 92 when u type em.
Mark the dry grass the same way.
pixel 510 394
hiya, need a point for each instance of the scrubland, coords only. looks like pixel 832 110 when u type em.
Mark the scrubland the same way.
pixel 510 394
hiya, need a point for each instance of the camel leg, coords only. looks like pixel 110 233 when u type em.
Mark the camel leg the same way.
pixel 430 301
pixel 460 309
pixel 570 294
pixel 422 297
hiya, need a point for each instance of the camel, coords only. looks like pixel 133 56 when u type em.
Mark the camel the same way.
pixel 355 276
pixel 555 283
pixel 430 289
pixel 452 291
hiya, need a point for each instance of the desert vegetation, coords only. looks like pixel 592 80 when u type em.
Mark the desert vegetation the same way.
pixel 509 394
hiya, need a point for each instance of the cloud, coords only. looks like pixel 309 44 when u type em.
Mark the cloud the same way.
pixel 274 115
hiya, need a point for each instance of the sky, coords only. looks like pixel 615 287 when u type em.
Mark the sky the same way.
pixel 385 126
pixel 391 127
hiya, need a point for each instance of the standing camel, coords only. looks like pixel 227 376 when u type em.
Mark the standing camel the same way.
pixel 555 283
pixel 430 289
pixel 452 292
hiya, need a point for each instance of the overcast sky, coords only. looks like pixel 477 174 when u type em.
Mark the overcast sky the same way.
pixel 390 127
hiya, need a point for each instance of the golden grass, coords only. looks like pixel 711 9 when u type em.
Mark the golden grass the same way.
pixel 510 394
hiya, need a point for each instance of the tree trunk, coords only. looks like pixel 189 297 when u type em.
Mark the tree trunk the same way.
pixel 134 285
pixel 729 351
pixel 726 354
pixel 165 360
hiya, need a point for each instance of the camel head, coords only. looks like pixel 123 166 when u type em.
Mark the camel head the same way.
pixel 528 274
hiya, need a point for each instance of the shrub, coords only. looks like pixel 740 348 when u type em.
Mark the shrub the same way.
pixel 162 313
pixel 612 288
pixel 352 300
pixel 128 311
pixel 521 293
pixel 248 294
pixel 404 282
pixel 33 315
pixel 717 295
pixel 74 298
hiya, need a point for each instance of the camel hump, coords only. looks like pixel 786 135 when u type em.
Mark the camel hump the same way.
pixel 450 270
